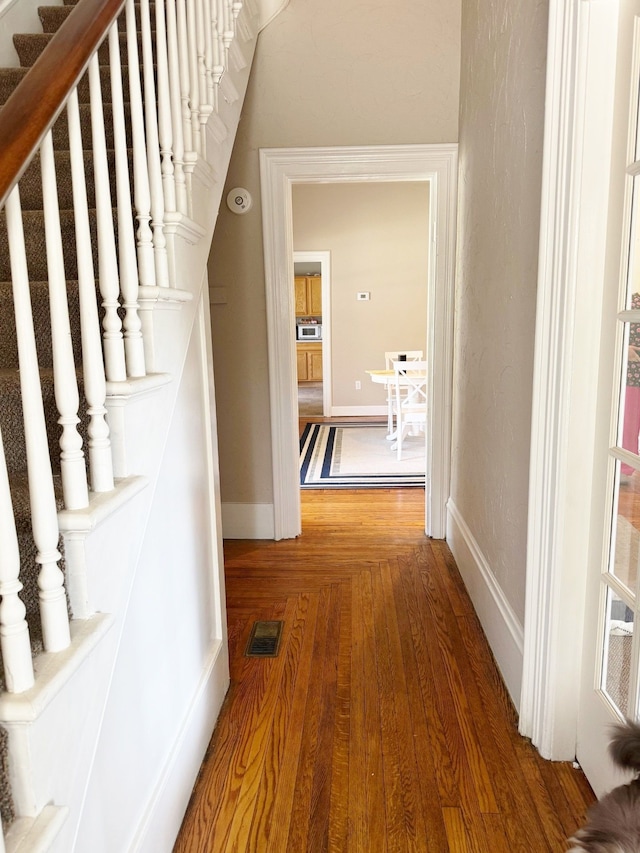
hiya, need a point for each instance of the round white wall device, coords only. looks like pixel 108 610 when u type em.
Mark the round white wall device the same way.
pixel 239 200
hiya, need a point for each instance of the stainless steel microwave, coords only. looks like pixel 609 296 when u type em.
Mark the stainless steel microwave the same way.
pixel 309 332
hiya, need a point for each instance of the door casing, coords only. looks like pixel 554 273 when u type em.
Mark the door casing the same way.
pixel 280 168
pixel 562 527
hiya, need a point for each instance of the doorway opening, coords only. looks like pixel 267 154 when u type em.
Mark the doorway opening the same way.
pixel 282 168
pixel 314 391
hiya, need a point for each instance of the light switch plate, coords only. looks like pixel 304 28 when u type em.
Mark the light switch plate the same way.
pixel 364 296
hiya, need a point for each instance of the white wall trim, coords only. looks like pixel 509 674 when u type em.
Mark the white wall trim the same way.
pixel 280 168
pixel 570 281
pixel 162 817
pixel 501 625
pixel 247 521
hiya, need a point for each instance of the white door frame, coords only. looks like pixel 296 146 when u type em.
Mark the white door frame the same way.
pixel 280 168
pixel 324 259
pixel 575 190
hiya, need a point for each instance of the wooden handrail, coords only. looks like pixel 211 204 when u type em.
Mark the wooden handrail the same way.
pixel 36 102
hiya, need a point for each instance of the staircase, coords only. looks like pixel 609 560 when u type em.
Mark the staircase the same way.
pixel 112 624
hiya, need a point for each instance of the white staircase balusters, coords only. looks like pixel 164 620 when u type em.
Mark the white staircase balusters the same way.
pixel 132 325
pixel 194 79
pixel 165 130
pixel 72 460
pixel 205 108
pixel 173 62
pixel 218 49
pixel 208 53
pixel 108 277
pixel 14 631
pixel 228 29
pixel 44 519
pixel 95 389
pixel 141 192
pixel 190 155
pixel 153 150
pixel 220 31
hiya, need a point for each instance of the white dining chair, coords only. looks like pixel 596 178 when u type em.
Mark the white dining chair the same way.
pixel 389 357
pixel 394 355
pixel 410 400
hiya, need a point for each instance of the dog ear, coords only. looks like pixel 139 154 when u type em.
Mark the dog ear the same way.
pixel 625 745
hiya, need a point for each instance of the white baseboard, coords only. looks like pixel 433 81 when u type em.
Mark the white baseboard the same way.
pixel 247 521
pixel 501 625
pixel 160 824
pixel 357 411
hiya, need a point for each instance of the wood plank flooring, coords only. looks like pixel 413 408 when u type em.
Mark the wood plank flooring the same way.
pixel 383 724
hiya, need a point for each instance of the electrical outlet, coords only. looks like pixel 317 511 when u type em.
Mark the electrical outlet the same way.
pixel 363 296
pixel 358 385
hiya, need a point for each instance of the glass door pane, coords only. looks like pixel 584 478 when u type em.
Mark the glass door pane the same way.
pixel 618 679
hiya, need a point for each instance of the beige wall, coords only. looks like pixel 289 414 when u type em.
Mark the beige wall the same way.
pixel 337 74
pixel 501 133
pixel 378 238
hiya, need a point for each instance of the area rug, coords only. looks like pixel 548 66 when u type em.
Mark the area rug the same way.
pixel 358 456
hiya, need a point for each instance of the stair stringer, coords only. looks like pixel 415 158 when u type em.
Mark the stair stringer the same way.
pixel 120 741
pixel 130 724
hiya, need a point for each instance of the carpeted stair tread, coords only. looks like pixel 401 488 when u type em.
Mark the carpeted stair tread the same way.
pixel 42 322
pixel 12 423
pixel 7 810
pixel 11 418
pixel 52 17
pixel 29 46
pixel 33 225
pixel 61 127
pixel 31 181
pixel 10 77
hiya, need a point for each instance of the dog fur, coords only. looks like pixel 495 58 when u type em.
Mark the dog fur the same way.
pixel 614 822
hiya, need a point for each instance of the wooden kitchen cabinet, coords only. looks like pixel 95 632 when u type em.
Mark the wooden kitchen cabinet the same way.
pixel 309 357
pixel 308 292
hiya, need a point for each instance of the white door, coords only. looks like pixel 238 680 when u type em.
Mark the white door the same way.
pixel 611 661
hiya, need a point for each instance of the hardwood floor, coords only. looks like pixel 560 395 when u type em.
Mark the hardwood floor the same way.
pixel 383 724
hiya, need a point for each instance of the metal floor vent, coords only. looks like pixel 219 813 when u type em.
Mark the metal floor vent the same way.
pixel 264 641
